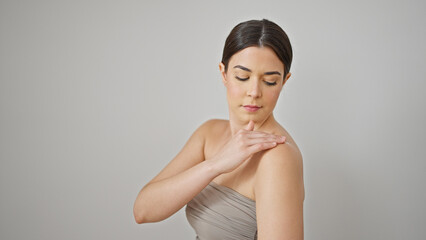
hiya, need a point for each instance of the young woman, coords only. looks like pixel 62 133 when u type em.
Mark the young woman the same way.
pixel 240 178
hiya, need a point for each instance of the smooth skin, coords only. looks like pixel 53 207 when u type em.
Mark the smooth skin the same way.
pixel 253 154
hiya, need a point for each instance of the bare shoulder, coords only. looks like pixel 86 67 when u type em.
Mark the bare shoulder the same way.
pixel 207 126
pixel 216 123
pixel 286 153
pixel 283 157
pixel 213 126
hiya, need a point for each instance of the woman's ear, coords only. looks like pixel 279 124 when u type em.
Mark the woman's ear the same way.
pixel 286 78
pixel 222 72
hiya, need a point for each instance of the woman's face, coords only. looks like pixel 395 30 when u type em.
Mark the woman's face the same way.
pixel 254 79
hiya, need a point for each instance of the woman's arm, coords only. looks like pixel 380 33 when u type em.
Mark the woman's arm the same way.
pixel 187 174
pixel 280 193
pixel 177 183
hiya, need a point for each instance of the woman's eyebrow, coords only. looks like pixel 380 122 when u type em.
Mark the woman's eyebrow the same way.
pixel 243 68
pixel 272 73
pixel 266 73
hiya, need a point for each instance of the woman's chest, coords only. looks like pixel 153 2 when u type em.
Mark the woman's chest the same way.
pixel 242 178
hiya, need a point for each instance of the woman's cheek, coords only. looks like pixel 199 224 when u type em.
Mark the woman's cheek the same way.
pixel 234 92
pixel 272 97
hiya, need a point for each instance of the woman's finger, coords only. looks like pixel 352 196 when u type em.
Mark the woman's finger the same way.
pixel 255 134
pixel 250 126
pixel 269 139
pixel 261 146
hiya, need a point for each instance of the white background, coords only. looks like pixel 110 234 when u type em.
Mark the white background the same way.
pixel 96 97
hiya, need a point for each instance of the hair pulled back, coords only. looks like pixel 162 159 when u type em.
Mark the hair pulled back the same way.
pixel 260 33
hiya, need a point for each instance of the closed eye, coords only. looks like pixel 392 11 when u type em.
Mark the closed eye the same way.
pixel 270 83
pixel 241 79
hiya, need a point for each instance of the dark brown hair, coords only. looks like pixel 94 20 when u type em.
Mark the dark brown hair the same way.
pixel 260 33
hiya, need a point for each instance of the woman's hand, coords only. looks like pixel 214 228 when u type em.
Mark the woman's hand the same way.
pixel 242 146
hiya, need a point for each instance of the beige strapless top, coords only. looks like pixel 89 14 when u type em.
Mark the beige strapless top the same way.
pixel 221 213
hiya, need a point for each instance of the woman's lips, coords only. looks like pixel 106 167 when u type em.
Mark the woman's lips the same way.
pixel 251 108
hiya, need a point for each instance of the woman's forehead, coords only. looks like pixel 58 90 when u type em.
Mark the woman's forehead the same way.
pixel 257 59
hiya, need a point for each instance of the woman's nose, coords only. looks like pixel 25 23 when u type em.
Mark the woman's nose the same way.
pixel 254 90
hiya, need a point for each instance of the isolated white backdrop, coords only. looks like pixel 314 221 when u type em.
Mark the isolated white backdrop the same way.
pixel 97 96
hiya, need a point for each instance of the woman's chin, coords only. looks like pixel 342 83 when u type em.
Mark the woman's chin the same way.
pixel 247 118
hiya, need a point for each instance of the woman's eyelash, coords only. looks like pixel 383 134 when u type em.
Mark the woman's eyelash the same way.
pixel 241 79
pixel 271 83
pixel 267 83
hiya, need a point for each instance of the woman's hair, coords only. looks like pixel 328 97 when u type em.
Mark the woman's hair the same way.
pixel 260 33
